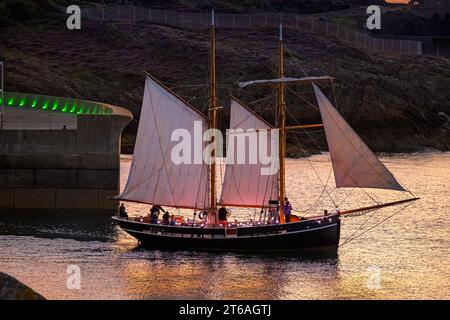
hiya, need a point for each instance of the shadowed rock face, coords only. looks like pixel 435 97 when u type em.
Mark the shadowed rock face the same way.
pixel 12 289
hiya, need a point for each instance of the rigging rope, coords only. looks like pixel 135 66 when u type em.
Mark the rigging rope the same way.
pixel 376 225
pixel 292 55
pixel 359 228
pixel 309 161
pixel 334 95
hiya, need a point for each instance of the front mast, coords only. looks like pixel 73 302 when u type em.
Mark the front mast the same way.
pixel 282 127
pixel 213 118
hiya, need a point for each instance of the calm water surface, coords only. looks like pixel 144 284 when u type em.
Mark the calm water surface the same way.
pixel 410 251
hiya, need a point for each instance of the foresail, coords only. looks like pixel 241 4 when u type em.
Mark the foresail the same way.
pixel 154 177
pixel 249 183
pixel 354 164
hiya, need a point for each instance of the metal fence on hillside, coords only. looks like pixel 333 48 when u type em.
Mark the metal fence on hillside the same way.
pixel 257 20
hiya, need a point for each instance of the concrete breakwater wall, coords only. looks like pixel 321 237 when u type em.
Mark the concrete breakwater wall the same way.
pixel 59 155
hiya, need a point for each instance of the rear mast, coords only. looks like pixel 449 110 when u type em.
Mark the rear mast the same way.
pixel 213 118
pixel 281 105
pixel 2 97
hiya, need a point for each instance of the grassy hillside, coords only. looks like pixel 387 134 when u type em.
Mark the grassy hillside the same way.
pixel 397 103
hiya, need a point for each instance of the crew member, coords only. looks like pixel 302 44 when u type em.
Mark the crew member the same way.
pixel 123 211
pixel 287 210
pixel 223 213
pixel 154 214
pixel 166 218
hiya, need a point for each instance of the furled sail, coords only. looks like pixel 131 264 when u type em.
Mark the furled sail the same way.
pixel 249 182
pixel 354 164
pixel 154 177
pixel 283 80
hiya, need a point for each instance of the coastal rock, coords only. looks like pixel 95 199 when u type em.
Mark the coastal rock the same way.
pixel 13 289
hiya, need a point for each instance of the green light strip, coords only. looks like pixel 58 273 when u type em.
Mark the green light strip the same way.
pixel 54 104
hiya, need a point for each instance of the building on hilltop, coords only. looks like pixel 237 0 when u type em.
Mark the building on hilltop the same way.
pixel 432 8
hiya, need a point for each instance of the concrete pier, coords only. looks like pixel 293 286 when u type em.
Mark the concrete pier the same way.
pixel 59 154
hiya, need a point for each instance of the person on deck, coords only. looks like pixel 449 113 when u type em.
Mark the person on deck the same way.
pixel 272 216
pixel 166 218
pixel 157 208
pixel 154 214
pixel 223 215
pixel 287 210
pixel 123 211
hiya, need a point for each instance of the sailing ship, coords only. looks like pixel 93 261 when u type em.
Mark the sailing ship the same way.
pixel 155 179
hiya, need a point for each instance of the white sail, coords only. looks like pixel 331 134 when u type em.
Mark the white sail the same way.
pixel 245 184
pixel 354 164
pixel 154 178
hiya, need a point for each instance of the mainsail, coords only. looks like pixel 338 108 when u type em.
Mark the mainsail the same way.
pixel 354 164
pixel 154 178
pixel 245 184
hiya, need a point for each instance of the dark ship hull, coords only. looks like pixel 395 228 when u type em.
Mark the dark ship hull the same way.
pixel 312 235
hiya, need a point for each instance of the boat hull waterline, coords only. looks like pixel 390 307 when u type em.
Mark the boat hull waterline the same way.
pixel 312 235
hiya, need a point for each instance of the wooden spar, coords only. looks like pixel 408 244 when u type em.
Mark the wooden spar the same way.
pixel 276 82
pixel 304 126
pixel 245 205
pixel 151 203
pixel 213 117
pixel 379 206
pixel 281 126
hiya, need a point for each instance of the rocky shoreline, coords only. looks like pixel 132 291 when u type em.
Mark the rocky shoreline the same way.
pixel 13 289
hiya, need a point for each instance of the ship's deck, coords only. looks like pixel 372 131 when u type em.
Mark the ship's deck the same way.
pixel 233 229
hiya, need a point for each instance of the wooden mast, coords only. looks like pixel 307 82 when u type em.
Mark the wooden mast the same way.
pixel 281 125
pixel 2 96
pixel 213 118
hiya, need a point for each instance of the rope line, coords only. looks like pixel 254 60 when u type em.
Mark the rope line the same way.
pixel 376 225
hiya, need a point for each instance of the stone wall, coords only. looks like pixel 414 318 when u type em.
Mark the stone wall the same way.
pixel 62 170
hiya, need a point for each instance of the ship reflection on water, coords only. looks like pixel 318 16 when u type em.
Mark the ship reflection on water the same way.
pixel 409 253
pixel 221 276
pixel 113 265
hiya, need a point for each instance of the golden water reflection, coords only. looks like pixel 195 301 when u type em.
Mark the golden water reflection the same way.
pixel 411 250
pixel 222 276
